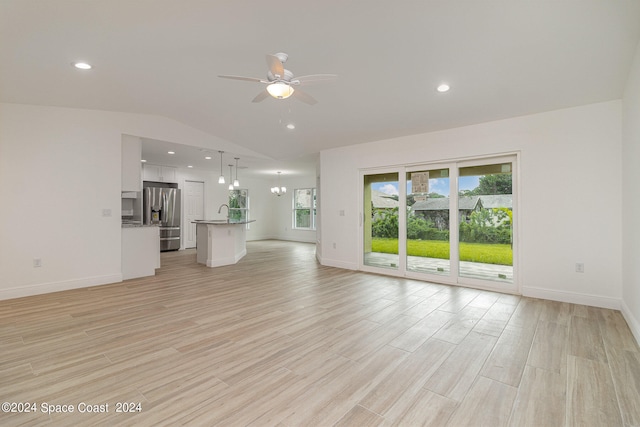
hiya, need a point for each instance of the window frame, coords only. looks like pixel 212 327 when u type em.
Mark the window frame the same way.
pixel 246 209
pixel 312 210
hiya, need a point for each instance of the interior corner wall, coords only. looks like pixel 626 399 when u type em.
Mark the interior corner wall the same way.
pixel 570 195
pixel 631 201
pixel 282 208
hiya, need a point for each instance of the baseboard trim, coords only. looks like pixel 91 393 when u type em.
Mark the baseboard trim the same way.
pixel 46 288
pixel 337 263
pixel 284 239
pixel 572 297
pixel 219 262
pixel 633 323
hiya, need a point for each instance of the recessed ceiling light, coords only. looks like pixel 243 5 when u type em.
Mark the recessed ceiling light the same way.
pixel 82 65
pixel 189 166
pixel 143 161
pixel 443 87
pixel 208 158
pixel 171 152
pixel 291 126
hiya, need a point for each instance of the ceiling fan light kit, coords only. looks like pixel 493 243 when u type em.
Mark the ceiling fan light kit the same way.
pixel 280 90
pixel 280 82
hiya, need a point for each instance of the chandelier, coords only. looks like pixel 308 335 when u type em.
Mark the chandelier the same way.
pixel 278 191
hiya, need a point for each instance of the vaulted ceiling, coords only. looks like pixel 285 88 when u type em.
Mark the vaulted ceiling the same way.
pixel 501 58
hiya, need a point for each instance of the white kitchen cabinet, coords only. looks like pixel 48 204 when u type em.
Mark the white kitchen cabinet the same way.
pixel 159 173
pixel 131 155
pixel 169 174
pixel 151 172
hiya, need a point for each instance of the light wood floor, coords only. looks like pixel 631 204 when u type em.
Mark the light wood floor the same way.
pixel 279 340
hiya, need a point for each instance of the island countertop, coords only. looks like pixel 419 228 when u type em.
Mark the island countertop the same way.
pixel 220 222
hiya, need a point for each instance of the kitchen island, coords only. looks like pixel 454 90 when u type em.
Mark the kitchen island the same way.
pixel 220 242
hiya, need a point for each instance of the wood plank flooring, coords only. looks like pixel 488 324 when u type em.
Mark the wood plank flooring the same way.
pixel 278 340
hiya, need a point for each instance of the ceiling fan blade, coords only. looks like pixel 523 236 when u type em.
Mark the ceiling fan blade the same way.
pixel 261 96
pixel 246 79
pixel 314 78
pixel 304 97
pixel 275 65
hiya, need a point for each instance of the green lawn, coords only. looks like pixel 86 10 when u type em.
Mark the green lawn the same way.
pixel 475 252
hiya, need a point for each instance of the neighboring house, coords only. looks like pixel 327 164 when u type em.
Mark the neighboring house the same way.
pixel 382 204
pixel 437 210
pixel 381 200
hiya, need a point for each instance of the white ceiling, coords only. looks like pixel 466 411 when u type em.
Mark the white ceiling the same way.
pixel 502 58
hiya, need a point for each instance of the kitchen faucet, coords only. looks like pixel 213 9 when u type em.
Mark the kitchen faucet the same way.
pixel 220 209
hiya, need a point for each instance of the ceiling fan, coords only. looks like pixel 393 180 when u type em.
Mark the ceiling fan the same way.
pixel 280 82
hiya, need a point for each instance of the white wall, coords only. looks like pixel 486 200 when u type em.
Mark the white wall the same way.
pixel 59 169
pixel 570 195
pixel 631 198
pixel 282 208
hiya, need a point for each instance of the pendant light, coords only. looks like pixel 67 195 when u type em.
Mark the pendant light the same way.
pixel 236 183
pixel 230 178
pixel 221 179
pixel 278 191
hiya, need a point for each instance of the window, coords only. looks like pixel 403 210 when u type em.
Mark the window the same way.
pixel 304 208
pixel 239 205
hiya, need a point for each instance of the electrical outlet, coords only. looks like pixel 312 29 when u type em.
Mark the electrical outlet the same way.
pixel 106 212
pixel 579 267
pixel 37 262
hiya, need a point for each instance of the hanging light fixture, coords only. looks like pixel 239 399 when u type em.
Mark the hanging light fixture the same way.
pixel 221 179
pixel 230 178
pixel 236 183
pixel 278 191
pixel 280 90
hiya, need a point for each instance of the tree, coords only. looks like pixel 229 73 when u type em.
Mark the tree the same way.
pixel 385 224
pixel 493 184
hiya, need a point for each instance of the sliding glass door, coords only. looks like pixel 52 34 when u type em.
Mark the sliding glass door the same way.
pixel 447 222
pixel 380 220
pixel 428 218
pixel 485 206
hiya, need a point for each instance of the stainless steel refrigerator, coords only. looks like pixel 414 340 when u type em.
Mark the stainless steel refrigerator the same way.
pixel 161 206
